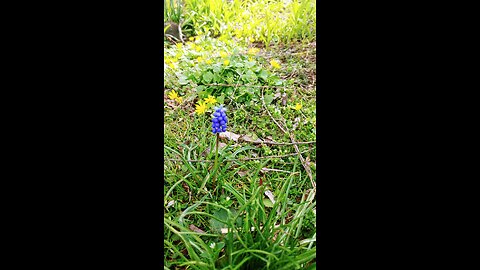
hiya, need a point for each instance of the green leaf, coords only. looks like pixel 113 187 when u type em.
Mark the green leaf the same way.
pixel 221 214
pixel 229 90
pixel 207 77
pixel 200 88
pixel 267 202
pixel 268 99
pixel 221 99
pixel 216 68
pixel 217 78
pixel 192 78
pixel 263 74
pixel 219 246
pixel 182 80
pixel 249 64
pixel 251 76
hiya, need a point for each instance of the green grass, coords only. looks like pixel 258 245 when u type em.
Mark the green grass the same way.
pixel 258 236
pixel 265 21
pixel 241 228
pixel 172 11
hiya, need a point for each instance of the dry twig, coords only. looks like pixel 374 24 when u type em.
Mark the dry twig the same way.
pixel 275 121
pixel 307 168
pixel 239 159
pixel 246 85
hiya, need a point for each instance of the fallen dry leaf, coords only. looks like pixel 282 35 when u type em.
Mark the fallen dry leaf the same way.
pixel 229 135
pixel 247 138
pixel 242 173
pixel 296 122
pixel 187 189
pixel 284 99
pixel 270 196
pixel 269 139
pixel 170 103
pixel 170 203
pixel 195 229
pixel 244 138
pixel 264 170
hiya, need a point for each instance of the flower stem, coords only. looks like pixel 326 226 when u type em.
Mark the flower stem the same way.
pixel 216 160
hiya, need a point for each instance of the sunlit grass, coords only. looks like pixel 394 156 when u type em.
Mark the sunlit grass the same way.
pixel 258 209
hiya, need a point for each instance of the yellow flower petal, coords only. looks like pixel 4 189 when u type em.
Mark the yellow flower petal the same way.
pixel 173 95
pixel 275 64
pixel 298 106
pixel 253 51
pixel 210 99
pixel 201 108
pixel 226 62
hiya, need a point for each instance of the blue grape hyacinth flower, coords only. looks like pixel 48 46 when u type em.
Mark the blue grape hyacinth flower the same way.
pixel 220 120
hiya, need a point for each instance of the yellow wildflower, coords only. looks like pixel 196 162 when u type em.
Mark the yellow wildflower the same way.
pixel 209 61
pixel 199 59
pixel 251 39
pixel 201 108
pixel 179 99
pixel 275 64
pixel 253 51
pixel 223 54
pixel 298 106
pixel 198 48
pixel 168 60
pixel 226 62
pixel 179 45
pixel 210 99
pixel 191 38
pixel 173 95
pixel 172 66
pixel 250 59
